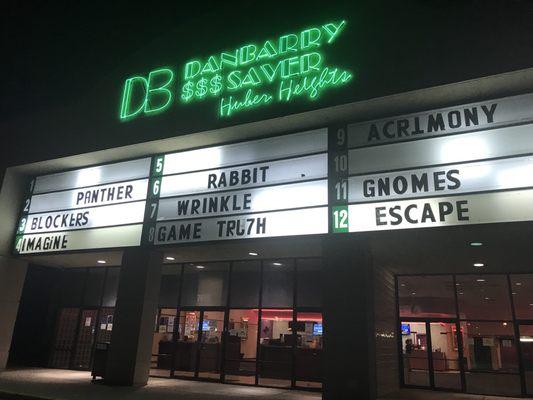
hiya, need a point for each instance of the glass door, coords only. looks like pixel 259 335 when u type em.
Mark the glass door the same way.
pixel 210 347
pixel 526 344
pixel 415 353
pixel 85 340
pixel 186 354
pixel 445 359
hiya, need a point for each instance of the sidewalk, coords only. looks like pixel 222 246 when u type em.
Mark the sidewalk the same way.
pixel 75 385
pixel 57 384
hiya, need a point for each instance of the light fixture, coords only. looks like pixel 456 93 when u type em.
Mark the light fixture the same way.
pixel 252 254
pixel 504 324
pixel 514 293
pixel 403 285
pixel 461 293
pixel 526 339
pixel 479 265
pixel 518 283
pixel 487 298
pixel 476 244
pixel 200 267
pixel 480 280
pixel 531 304
pixel 170 258
pixel 101 261
pixel 277 264
pixel 413 293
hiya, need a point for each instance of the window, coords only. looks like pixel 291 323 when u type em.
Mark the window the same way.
pixel 245 282
pixel 241 346
pixel 522 292
pixel 94 283
pixel 278 283
pixel 426 296
pixel 169 288
pixel 483 297
pixel 205 284
pixel 309 282
pixel 111 287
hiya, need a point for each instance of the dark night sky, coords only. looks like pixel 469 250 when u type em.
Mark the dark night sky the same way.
pixel 64 62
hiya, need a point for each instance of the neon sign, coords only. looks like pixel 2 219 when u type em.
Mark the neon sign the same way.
pixel 252 75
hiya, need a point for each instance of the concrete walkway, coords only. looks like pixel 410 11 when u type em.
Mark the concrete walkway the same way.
pixel 57 384
pixel 75 385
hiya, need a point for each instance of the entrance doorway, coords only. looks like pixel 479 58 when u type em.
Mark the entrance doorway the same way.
pixel 526 346
pixel 432 354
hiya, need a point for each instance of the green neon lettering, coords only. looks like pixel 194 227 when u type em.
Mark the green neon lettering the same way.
pixel 310 62
pixel 333 30
pixel 288 43
pixel 251 78
pixel 234 80
pixel 247 54
pixel 310 38
pixel 211 66
pixel 269 71
pixel 126 109
pixel 158 98
pixel 192 68
pixel 281 69
pixel 267 51
pixel 230 105
pixel 229 59
pixel 290 67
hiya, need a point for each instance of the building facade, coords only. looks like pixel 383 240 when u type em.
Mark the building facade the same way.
pixel 354 249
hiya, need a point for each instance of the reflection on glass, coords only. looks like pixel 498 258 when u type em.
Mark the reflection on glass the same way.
pixel 483 297
pixel 205 284
pixel 491 356
pixel 245 282
pixel 522 291
pixel 187 343
pixel 445 355
pixel 415 353
pixel 278 283
pixel 211 345
pixel 309 278
pixel 426 296
pixel 275 352
pixel 162 344
pixel 241 346
pixel 526 342
pixel 308 361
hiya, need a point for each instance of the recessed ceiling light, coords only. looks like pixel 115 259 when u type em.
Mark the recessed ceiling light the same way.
pixel 480 280
pixel 277 264
pixel 487 298
pixel 252 254
pixel 461 293
pixel 476 244
pixel 200 267
pixel 504 324
pixel 531 304
pixel 479 265
pixel 413 293
pixel 518 283
pixel 514 293
pixel 170 258
pixel 403 285
pixel 101 261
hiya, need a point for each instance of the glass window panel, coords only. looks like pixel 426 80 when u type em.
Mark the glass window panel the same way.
pixel 426 296
pixel 162 343
pixel 445 355
pixel 241 346
pixel 483 297
pixel 111 287
pixel 245 283
pixel 491 356
pixel 205 284
pixel 93 287
pixel 308 355
pixel 185 359
pixel 210 359
pixel 168 291
pixel 526 342
pixel 522 291
pixel 415 353
pixel 278 283
pixel 275 350
pixel 309 282
pixel 72 281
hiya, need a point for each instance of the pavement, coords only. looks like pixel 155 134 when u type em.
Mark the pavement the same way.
pixel 57 384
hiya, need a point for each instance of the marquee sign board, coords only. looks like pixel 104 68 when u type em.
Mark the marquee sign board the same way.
pixel 443 178
pixel 315 182
pixel 263 188
pixel 279 69
pixel 89 208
